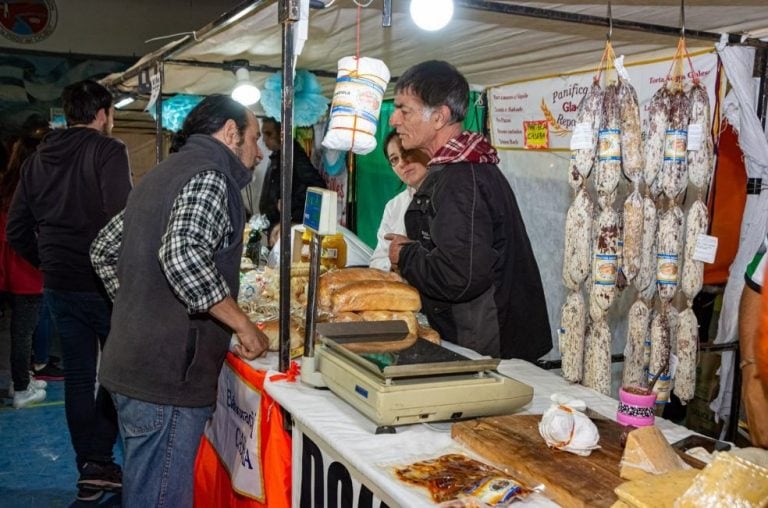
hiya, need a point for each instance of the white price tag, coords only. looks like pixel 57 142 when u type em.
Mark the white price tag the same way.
pixel 673 361
pixel 706 248
pixel 154 79
pixel 695 136
pixel 583 136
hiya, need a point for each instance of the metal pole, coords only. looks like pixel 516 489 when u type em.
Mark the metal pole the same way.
pixel 251 67
pixel 288 15
pixel 311 315
pixel 618 24
pixel 159 121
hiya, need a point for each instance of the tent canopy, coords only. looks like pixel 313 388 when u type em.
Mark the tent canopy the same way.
pixel 488 47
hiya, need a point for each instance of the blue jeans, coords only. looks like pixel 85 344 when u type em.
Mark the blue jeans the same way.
pixel 82 319
pixel 159 446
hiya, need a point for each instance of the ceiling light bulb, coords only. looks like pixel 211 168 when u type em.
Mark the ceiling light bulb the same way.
pixel 245 92
pixel 124 102
pixel 431 14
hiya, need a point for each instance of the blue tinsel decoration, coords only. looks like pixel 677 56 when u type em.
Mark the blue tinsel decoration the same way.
pixel 309 104
pixel 176 109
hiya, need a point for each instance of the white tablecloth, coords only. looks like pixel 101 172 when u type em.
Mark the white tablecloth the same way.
pixel 351 435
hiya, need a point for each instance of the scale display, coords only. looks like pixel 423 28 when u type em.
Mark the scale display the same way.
pixel 320 213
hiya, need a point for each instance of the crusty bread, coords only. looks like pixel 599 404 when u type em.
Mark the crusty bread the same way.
pixel 376 295
pixel 331 281
pixel 271 329
pixel 429 334
pixel 344 317
pixel 389 315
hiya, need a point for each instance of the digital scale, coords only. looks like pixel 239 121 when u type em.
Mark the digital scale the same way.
pixel 421 383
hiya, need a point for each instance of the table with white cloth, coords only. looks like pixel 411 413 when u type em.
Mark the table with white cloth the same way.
pixel 354 459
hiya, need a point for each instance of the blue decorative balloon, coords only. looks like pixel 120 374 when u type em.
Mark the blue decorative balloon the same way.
pixel 309 104
pixel 176 109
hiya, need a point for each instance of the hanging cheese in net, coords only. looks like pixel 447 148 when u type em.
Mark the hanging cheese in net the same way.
pixel 360 86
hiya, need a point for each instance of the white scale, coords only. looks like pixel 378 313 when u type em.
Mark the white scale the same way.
pixel 422 383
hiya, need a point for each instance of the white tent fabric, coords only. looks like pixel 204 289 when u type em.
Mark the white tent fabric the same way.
pixel 738 63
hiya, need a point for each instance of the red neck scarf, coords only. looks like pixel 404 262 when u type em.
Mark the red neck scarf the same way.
pixel 466 147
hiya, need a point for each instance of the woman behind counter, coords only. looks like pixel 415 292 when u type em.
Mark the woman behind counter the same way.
pixel 411 167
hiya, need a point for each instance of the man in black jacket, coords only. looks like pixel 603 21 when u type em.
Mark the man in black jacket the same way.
pixel 76 181
pixel 467 251
pixel 304 175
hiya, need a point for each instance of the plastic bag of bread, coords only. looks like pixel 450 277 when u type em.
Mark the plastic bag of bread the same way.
pixel 376 295
pixel 360 86
pixel 728 481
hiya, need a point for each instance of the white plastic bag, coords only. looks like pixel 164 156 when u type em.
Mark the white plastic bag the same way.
pixel 360 87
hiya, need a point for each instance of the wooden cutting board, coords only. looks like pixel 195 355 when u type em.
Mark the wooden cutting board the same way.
pixel 514 443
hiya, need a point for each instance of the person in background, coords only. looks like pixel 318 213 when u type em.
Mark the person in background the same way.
pixel 470 257
pixel 75 182
pixel 753 392
pixel 411 167
pixel 171 261
pixel 44 365
pixel 22 281
pixel 304 175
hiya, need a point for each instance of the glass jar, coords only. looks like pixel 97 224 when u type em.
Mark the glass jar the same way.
pixel 333 252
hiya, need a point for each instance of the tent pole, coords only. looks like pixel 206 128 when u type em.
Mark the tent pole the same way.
pixel 618 24
pixel 159 110
pixel 288 14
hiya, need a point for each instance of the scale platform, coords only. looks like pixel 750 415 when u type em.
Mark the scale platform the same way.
pixel 421 383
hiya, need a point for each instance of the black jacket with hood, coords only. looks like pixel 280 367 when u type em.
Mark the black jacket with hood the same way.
pixel 75 182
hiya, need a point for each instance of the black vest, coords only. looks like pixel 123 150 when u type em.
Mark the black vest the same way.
pixel 156 351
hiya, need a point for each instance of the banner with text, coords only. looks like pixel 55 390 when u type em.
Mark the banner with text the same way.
pixel 234 432
pixel 322 480
pixel 541 113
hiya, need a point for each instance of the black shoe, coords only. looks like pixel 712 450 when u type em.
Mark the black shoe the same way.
pixel 49 373
pixel 101 476
pixel 86 494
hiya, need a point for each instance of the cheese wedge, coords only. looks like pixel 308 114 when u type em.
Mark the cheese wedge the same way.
pixel 648 453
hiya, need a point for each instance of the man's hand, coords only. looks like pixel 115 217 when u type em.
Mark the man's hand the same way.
pixel 253 342
pixel 395 245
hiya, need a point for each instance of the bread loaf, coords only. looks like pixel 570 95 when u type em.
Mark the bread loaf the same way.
pixel 344 317
pixel 376 295
pixel 429 334
pixel 331 281
pixel 271 329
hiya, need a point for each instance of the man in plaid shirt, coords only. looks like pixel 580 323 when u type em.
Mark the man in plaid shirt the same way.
pixel 171 263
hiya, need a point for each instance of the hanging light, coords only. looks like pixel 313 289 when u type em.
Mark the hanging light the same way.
pixel 124 101
pixel 431 15
pixel 245 92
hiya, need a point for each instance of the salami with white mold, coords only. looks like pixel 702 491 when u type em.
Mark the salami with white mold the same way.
pixel 693 271
pixel 669 242
pixel 608 170
pixel 646 276
pixel 573 322
pixel 577 255
pixel 660 348
pixel 605 259
pixel 631 132
pixel 686 352
pixel 588 119
pixel 658 118
pixel 674 171
pixel 634 352
pixel 700 160
pixel 633 235
pixel 597 358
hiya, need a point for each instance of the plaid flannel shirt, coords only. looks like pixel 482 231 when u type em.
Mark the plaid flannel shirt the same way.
pixel 198 227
